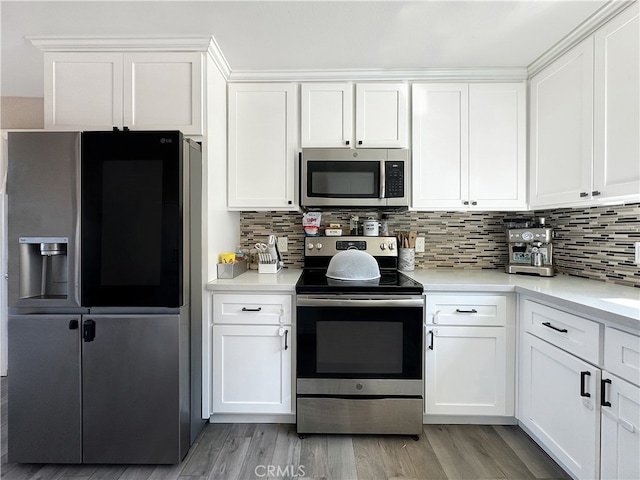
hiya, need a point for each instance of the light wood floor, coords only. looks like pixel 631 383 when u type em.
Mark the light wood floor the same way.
pixel 274 451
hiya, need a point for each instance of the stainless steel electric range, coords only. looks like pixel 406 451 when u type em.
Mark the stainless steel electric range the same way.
pixel 359 344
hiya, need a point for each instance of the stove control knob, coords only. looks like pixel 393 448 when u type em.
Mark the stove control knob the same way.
pixel 383 246
pixel 391 246
pixel 319 246
pixel 310 246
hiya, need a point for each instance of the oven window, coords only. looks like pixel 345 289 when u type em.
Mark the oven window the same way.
pixel 343 179
pixel 363 342
pixel 359 348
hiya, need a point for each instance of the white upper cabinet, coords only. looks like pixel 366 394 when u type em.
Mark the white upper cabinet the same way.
pixel 616 156
pixel 561 139
pixel 381 115
pixel 262 146
pixel 163 91
pixel 584 142
pixel 469 146
pixel 142 91
pixel 327 115
pixel 83 91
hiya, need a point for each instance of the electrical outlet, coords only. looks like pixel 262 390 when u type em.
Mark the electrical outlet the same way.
pixel 637 253
pixel 283 244
pixel 419 244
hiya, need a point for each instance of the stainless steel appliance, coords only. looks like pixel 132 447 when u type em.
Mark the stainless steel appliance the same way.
pixel 530 247
pixel 363 177
pixel 359 344
pixel 104 329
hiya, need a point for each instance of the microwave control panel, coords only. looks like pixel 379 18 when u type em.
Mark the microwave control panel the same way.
pixel 394 179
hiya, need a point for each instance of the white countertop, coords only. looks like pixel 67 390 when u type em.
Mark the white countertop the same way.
pixel 600 300
pixel 283 281
pixel 604 301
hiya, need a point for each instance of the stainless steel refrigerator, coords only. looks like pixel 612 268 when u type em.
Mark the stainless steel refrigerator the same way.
pixel 105 332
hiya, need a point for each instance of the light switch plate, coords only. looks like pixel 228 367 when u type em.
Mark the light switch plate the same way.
pixel 283 244
pixel 637 253
pixel 419 244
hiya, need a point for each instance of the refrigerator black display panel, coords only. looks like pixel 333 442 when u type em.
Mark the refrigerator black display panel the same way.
pixel 131 219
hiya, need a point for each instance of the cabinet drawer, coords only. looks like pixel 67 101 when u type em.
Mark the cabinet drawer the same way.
pixel 570 332
pixel 453 309
pixel 622 354
pixel 252 309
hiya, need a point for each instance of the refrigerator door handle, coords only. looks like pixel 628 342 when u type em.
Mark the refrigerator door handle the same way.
pixel 88 330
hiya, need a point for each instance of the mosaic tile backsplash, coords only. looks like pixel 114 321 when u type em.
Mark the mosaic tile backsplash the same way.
pixel 595 243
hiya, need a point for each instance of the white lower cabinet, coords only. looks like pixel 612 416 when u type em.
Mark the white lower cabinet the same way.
pixel 620 406
pixel 620 424
pixel 558 404
pixel 252 354
pixel 579 396
pixel 251 369
pixel 469 354
pixel 466 371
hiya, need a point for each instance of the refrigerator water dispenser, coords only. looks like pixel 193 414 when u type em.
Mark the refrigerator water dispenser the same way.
pixel 43 267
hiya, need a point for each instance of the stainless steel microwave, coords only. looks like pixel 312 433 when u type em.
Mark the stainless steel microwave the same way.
pixel 363 177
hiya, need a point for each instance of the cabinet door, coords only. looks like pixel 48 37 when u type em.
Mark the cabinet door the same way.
pixel 440 146
pixel 497 151
pixel 135 399
pixel 251 369
pixel 381 115
pixel 82 91
pixel 559 404
pixel 163 91
pixel 617 107
pixel 327 115
pixel 561 134
pixel 262 146
pixel 620 430
pixel 466 371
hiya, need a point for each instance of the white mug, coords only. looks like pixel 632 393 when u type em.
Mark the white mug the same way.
pixel 370 228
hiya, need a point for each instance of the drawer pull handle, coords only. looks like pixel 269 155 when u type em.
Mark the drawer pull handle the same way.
pixel 473 310
pixel 583 392
pixel 245 309
pixel 431 343
pixel 286 334
pixel 627 425
pixel 603 392
pixel 561 330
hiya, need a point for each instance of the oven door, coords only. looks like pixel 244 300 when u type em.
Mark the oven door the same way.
pixel 350 345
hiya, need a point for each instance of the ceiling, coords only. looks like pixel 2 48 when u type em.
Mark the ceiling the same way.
pixel 305 35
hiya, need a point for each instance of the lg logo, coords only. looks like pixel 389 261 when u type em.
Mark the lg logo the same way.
pixel 166 140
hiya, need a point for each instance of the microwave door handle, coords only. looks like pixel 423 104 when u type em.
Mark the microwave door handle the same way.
pixel 382 179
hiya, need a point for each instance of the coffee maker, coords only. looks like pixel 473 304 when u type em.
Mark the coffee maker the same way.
pixel 530 247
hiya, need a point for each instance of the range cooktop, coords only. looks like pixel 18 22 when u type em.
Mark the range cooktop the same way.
pixel 390 282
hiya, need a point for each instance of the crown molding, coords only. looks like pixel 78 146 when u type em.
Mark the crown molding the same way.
pixel 509 74
pixel 131 43
pixel 586 28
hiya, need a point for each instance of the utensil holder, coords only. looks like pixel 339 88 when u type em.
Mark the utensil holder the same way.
pixel 269 267
pixel 406 259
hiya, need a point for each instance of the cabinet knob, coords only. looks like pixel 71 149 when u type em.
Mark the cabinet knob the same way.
pixel 595 193
pixel 359 142
pixel 347 142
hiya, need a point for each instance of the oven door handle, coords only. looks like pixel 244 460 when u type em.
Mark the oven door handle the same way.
pixel 360 302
